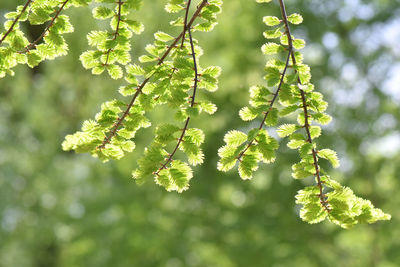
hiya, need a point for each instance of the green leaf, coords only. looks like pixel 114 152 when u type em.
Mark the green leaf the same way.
pixel 247 166
pixel 307 195
pixel 273 76
pixel 267 147
pixel 321 118
pixel 253 133
pixel 135 26
pixel 247 114
pixel 259 91
pixel 313 213
pixel 286 130
pixel 330 155
pixel 295 18
pixel 134 69
pixel 102 12
pixel 153 157
pixel 302 170
pixel 228 158
pixel 115 71
pixel 62 25
pixel 284 40
pixel 173 8
pixel 163 37
pixel 192 111
pixel 194 153
pixel 235 138
pixel 271 20
pixel 369 214
pixel 298 43
pixel 213 71
pixel 113 152
pixel 288 110
pixel 98 69
pixel 305 149
pixel 208 107
pixel 39 14
pixel 271 48
pixel 34 58
pixel 315 131
pixel 89 59
pixel 127 145
pixel 181 174
pixel 304 73
pixel 272 118
pixel 272 34
pixel 296 140
pixel 164 179
pixel 165 133
pixel 97 38
pixel 147 58
pixel 195 135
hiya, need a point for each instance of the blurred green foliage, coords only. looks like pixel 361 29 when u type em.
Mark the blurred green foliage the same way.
pixel 63 209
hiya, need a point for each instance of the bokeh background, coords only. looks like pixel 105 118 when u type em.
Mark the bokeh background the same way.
pixel 62 209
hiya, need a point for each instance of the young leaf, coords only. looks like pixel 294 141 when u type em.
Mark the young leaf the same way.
pixel 330 155
pixel 295 18
pixel 235 138
pixel 271 20
pixel 286 130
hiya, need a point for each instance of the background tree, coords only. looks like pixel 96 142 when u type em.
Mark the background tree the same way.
pixel 59 209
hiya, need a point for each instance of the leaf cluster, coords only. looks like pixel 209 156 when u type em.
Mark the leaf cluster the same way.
pixel 346 209
pixel 169 74
pixel 112 47
pixel 15 48
pixel 289 83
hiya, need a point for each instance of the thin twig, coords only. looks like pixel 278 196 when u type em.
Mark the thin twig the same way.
pixel 15 21
pixel 185 22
